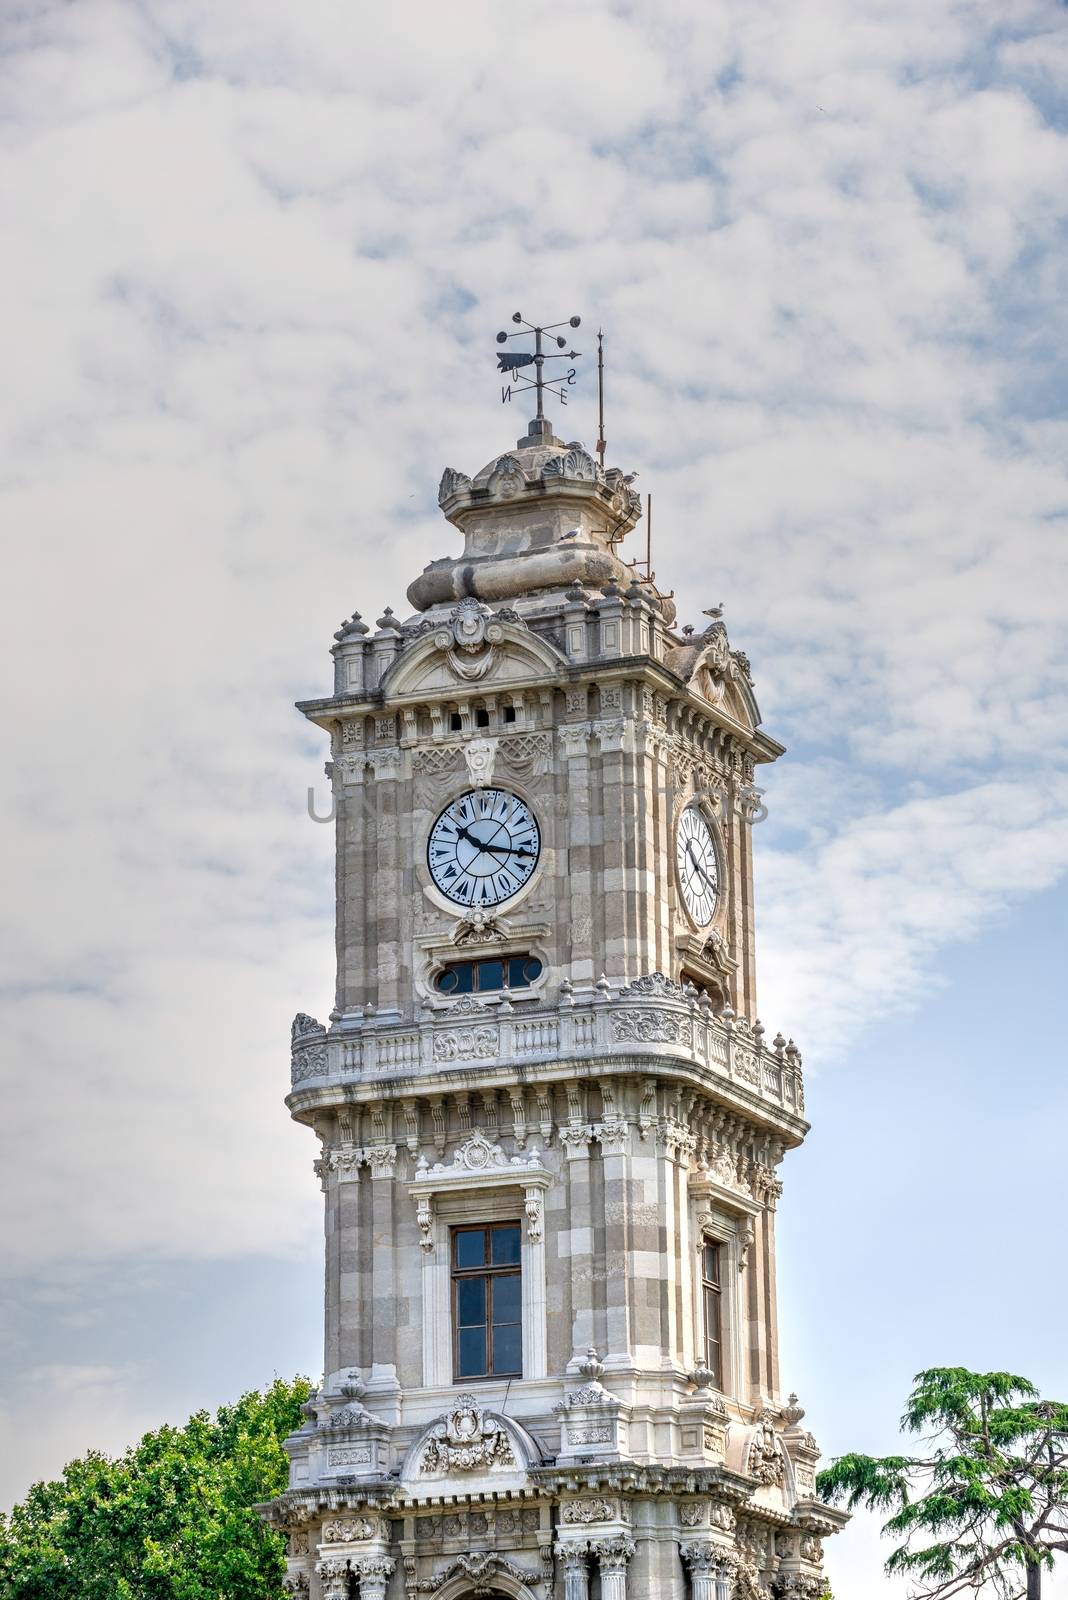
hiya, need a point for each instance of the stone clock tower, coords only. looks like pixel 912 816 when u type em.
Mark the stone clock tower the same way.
pixel 550 1122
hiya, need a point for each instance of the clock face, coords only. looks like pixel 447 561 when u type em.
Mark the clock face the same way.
pixel 695 855
pixel 483 847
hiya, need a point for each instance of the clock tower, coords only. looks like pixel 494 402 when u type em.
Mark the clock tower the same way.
pixel 550 1121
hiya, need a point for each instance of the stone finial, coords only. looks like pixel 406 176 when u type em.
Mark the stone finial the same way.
pixel 591 1366
pixel 792 1413
pixel 388 621
pixel 602 988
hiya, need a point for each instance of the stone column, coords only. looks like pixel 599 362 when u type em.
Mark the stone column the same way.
pixel 333 1575
pixel 612 1557
pixel 382 1160
pixel 711 1570
pixel 576 1575
pixel 374 1573
pixel 574 744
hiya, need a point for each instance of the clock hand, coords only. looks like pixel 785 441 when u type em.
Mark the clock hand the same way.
pixel 492 849
pixel 702 874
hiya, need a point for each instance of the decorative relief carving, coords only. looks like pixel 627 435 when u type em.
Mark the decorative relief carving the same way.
pixel 479 927
pixel 529 755
pixel 613 1554
pixel 656 984
pixel 576 463
pixel 309 1059
pixel 652 1027
pixel 352 1456
pixel 765 1462
pixel 452 482
pixel 480 1567
pixel 469 640
pixel 584 1511
pixel 435 762
pixel 467 1438
pixel 480 755
pixel 466 1044
pixel 346 1530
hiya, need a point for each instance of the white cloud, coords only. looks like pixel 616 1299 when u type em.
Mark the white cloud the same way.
pixel 255 272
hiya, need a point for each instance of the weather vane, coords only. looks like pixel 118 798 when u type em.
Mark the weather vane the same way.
pixel 510 361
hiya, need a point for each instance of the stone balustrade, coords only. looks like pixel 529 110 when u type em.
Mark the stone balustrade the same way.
pixel 652 1018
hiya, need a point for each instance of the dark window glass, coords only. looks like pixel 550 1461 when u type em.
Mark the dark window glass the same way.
pixel 464 977
pixel 471 1302
pixel 455 721
pixel 487 1300
pixel 509 713
pixel 491 974
pixel 481 717
pixel 506 1307
pixel 471 1352
pixel 506 1245
pixel 712 1306
pixel 470 1247
pixel 507 1349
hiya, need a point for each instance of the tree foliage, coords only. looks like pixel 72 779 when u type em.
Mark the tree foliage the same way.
pixel 171 1519
pixel 986 1510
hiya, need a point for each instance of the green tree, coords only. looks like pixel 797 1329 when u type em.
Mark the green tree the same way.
pixel 171 1519
pixel 986 1509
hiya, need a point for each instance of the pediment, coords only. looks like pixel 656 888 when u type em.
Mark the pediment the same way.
pixel 470 1447
pixel 719 675
pixel 470 649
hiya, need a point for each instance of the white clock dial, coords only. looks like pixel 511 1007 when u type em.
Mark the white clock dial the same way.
pixel 695 856
pixel 483 847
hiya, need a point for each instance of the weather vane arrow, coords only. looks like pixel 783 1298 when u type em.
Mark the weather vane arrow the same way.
pixel 510 361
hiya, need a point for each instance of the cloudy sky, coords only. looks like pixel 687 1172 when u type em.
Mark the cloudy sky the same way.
pixel 254 261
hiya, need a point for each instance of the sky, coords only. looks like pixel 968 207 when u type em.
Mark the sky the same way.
pixel 254 264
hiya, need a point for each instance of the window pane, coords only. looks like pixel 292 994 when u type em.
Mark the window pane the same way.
pixel 471 1247
pixel 508 1348
pixel 711 1263
pixel 470 1301
pixel 465 978
pixel 532 969
pixel 447 981
pixel 506 1299
pixel 491 975
pixel 506 1245
pixel 470 1352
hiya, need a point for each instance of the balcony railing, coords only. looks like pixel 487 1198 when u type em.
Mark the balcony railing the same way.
pixel 652 1017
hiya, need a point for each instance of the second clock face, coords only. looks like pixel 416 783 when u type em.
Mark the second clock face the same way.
pixel 695 855
pixel 483 847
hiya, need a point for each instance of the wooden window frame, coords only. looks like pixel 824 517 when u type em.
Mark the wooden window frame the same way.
pixel 487 1271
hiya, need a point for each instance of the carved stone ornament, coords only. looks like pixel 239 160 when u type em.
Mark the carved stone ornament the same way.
pixel 297 1584
pixel 469 640
pixel 652 1027
pixel 613 1554
pixel 799 1586
pixel 480 755
pixel 584 1511
pixel 480 1567
pixel 452 482
pixel 466 1440
pixel 765 1461
pixel 345 1530
pixel 656 984
pixel 303 1025
pixel 479 927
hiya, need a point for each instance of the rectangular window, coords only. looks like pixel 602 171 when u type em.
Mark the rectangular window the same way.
pixel 712 1301
pixel 486 1301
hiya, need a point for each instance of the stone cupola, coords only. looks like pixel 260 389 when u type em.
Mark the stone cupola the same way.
pixel 538 519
